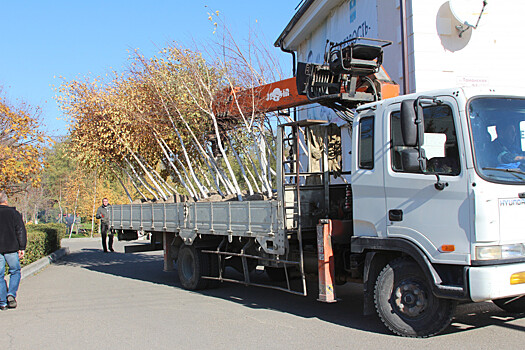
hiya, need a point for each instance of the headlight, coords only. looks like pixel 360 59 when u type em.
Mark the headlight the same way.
pixel 494 252
pixel 512 251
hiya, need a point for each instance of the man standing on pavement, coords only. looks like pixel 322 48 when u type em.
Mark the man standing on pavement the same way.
pixel 102 214
pixel 13 240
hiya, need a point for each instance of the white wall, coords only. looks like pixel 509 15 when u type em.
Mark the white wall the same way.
pixel 344 21
pixel 438 58
pixel 389 28
pixel 349 18
pixel 443 59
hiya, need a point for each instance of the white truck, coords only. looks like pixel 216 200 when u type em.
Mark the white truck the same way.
pixel 427 210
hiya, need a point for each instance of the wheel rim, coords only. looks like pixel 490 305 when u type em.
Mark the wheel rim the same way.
pixel 187 266
pixel 410 299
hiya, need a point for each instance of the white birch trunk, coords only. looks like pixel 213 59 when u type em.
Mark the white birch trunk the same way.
pixel 190 190
pixel 196 196
pixel 150 177
pixel 135 185
pixel 146 186
pixel 241 166
pixel 204 192
pixel 225 157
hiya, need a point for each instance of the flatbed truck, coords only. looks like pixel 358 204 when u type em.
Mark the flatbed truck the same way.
pixel 424 211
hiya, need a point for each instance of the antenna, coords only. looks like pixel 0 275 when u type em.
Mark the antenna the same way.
pixel 467 12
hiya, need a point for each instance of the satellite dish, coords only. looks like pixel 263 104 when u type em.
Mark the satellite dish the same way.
pixel 447 29
pixel 467 12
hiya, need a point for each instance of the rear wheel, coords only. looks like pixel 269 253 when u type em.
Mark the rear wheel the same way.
pixel 512 305
pixel 192 264
pixel 405 302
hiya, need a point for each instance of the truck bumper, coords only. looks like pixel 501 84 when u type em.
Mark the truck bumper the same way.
pixel 493 282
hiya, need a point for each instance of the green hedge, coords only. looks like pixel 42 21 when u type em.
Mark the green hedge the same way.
pixel 42 240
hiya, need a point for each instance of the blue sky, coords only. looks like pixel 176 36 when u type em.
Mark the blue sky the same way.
pixel 42 40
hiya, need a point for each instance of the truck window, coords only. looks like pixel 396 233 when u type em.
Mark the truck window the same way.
pixel 366 143
pixel 440 141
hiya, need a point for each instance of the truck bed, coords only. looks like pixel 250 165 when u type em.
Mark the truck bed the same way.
pixel 259 219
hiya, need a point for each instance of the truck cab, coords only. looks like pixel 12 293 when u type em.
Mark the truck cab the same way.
pixel 440 178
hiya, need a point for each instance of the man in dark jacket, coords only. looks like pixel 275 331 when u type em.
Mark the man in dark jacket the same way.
pixel 508 145
pixel 13 240
pixel 102 214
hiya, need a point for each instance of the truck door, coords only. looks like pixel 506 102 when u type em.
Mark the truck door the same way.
pixel 416 209
pixel 367 176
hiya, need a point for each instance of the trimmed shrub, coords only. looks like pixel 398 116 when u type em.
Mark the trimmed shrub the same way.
pixel 42 240
pixel 35 248
pixel 54 233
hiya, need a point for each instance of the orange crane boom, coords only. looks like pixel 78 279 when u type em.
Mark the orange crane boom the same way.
pixel 352 75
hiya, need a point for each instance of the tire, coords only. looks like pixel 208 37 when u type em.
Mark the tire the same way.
pixel 192 264
pixel 405 303
pixel 513 305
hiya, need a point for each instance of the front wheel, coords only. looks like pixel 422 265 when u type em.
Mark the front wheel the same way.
pixel 513 305
pixel 405 303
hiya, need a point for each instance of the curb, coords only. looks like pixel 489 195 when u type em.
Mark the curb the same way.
pixel 38 265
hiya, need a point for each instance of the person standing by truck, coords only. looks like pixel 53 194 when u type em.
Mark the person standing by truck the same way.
pixel 13 240
pixel 102 214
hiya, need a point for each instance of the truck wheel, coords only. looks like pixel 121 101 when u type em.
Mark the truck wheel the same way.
pixel 405 303
pixel 513 305
pixel 192 264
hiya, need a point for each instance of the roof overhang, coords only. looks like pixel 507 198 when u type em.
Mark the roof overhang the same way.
pixel 309 16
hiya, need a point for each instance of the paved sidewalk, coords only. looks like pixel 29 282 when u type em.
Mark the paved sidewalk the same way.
pixel 40 264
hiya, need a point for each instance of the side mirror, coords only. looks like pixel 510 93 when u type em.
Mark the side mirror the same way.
pixel 412 123
pixel 413 132
pixel 411 160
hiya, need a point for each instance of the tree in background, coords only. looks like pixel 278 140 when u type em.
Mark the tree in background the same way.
pixel 22 146
pixel 157 129
pixel 67 189
pixel 161 125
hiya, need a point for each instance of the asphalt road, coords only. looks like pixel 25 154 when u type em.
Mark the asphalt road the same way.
pixel 92 300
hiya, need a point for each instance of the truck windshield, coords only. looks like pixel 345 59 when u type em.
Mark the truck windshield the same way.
pixel 498 135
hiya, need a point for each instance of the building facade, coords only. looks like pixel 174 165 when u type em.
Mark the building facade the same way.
pixel 428 49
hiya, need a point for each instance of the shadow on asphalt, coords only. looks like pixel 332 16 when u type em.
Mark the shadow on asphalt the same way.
pixel 347 312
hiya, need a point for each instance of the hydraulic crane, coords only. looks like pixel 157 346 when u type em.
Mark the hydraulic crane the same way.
pixel 352 74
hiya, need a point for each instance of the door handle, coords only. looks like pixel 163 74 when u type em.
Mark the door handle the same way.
pixel 395 215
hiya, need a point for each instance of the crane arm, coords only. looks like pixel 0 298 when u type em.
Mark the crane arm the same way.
pixel 352 75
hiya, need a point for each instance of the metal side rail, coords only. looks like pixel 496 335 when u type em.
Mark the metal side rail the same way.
pixel 246 272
